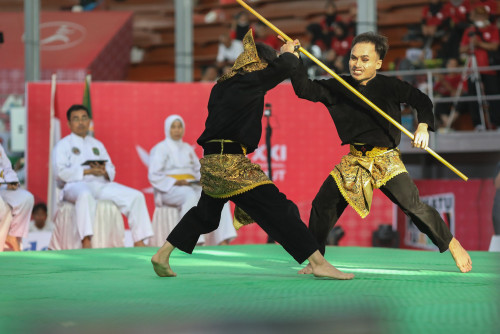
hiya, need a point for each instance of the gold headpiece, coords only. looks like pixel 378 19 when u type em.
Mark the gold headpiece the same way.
pixel 248 60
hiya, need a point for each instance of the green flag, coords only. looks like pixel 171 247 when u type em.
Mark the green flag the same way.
pixel 86 95
pixel 87 103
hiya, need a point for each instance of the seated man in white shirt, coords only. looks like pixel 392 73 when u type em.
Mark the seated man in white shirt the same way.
pixel 84 171
pixel 19 201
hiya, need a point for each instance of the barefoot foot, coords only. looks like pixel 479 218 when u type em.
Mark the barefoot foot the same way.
pixel 139 243
pixel 86 242
pixel 460 255
pixel 162 269
pixel 160 261
pixel 322 268
pixel 306 270
pixel 329 271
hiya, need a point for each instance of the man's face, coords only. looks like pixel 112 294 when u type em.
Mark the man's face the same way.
pixel 364 62
pixel 176 130
pixel 79 122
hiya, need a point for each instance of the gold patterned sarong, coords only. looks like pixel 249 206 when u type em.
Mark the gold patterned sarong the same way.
pixel 357 175
pixel 226 175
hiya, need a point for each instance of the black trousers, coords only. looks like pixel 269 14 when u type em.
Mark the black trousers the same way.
pixel 329 204
pixel 275 214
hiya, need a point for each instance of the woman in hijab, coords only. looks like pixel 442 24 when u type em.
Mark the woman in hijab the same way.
pixel 174 173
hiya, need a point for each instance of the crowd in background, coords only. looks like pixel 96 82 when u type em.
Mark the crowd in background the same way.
pixel 449 33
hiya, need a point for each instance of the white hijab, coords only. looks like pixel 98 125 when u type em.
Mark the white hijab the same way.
pixel 175 146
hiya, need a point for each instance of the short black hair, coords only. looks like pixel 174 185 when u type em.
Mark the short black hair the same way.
pixel 40 206
pixel 76 107
pixel 381 42
pixel 265 52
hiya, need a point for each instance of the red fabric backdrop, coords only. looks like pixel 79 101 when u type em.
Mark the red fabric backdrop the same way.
pixel 128 116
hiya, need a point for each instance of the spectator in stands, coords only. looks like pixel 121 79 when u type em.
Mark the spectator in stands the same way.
pixel 264 34
pixel 341 40
pixel 457 13
pixel 210 74
pixel 15 205
pixel 446 85
pixel 331 18
pixel 490 6
pixel 229 49
pixel 433 22
pixel 314 44
pixel 335 62
pixel 496 202
pixel 226 69
pixel 350 20
pixel 341 44
pixel 414 60
pixel 39 220
pixel 85 173
pixel 482 40
pixel 240 25
pixel 174 173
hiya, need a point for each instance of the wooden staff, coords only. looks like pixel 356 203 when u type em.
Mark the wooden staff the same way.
pixel 343 82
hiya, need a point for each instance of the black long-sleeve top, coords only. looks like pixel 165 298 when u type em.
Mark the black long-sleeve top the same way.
pixel 356 122
pixel 236 105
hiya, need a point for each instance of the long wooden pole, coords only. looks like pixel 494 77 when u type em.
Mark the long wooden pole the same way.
pixel 358 94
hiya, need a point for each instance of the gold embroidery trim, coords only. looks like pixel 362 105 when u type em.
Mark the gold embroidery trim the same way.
pixel 356 176
pixel 227 175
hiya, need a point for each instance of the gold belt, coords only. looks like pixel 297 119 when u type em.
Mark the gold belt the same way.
pixel 182 176
pixel 374 152
pixel 222 141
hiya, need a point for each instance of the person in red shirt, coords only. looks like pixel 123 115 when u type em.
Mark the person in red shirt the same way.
pixel 331 18
pixel 482 40
pixel 490 6
pixel 433 21
pixel 264 35
pixel 446 86
pixel 340 47
pixel 240 25
pixel 457 13
pixel 341 40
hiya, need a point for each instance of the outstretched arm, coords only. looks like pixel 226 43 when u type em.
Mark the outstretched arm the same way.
pixel 312 90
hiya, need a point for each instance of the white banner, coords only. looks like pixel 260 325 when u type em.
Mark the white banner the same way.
pixel 445 205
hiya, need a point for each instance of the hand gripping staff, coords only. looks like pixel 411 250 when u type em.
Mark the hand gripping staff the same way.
pixel 354 91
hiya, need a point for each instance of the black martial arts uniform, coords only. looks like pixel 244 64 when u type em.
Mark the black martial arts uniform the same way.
pixel 364 129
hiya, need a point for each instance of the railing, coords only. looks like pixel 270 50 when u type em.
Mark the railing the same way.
pixel 429 73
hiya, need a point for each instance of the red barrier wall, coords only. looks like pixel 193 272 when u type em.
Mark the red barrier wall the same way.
pixel 128 116
pixel 470 211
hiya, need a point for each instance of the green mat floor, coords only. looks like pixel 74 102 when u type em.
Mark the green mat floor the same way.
pixel 246 289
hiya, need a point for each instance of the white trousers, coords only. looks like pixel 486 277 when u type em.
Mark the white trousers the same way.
pixel 184 198
pixel 21 203
pixel 129 201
